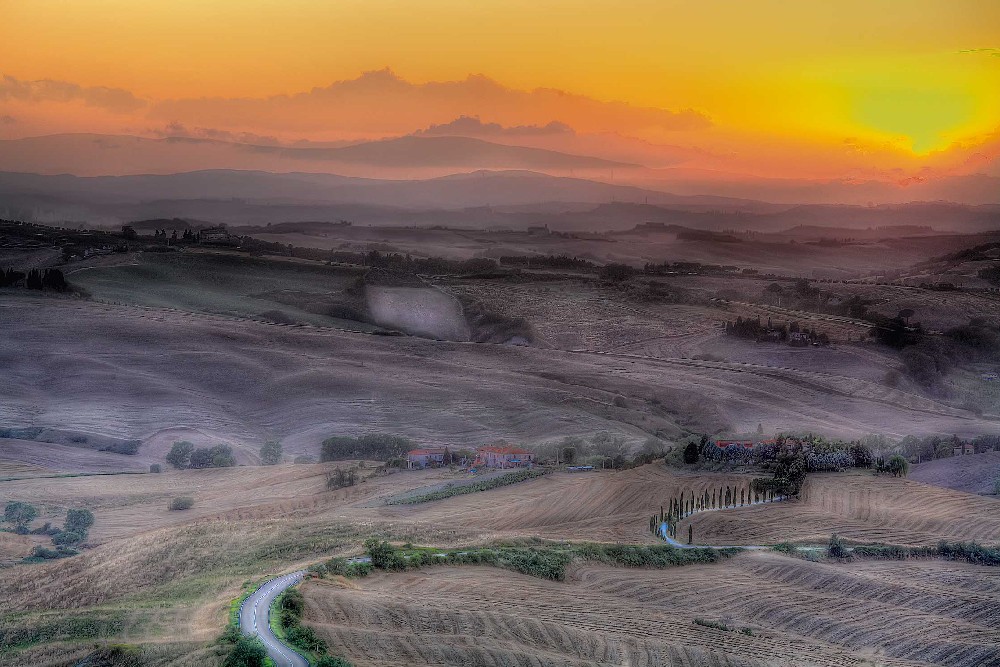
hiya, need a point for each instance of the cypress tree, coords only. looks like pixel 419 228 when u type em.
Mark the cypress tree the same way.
pixel 690 534
pixel 742 497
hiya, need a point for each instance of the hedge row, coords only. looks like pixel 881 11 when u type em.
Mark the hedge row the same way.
pixel 485 485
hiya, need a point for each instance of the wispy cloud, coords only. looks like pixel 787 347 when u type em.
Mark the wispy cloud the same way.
pixel 472 126
pixel 48 90
pixel 179 130
pixel 382 103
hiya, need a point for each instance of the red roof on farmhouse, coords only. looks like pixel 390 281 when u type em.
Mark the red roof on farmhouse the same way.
pixel 504 450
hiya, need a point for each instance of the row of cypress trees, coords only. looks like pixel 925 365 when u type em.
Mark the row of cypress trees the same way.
pixel 683 506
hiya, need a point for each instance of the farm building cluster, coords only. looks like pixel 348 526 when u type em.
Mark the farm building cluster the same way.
pixel 491 456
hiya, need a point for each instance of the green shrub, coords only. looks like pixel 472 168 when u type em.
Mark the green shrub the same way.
pixel 115 655
pixel 333 661
pixel 219 456
pixel 384 556
pixel 271 453
pixel 712 624
pixel 247 652
pixel 969 552
pixel 884 552
pixel 550 562
pixel 129 447
pixel 155 468
pixel 181 503
pixel 180 454
pixel 341 478
pixel 897 466
pixel 42 553
pixel 292 604
pixel 79 521
pixel 46 529
pixel 836 547
pixel 304 638
pixel 358 570
pixel 337 566
pixel 67 538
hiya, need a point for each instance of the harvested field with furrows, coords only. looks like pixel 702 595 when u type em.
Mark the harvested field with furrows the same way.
pixel 610 506
pixel 579 314
pixel 134 373
pixel 976 473
pixel 164 578
pixel 20 458
pixel 934 309
pixel 798 613
pixel 615 507
pixel 172 573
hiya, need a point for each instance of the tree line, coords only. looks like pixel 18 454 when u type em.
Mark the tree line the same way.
pixel 183 455
pixel 785 332
pixel 36 279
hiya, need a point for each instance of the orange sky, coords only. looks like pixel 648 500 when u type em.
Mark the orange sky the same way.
pixel 779 87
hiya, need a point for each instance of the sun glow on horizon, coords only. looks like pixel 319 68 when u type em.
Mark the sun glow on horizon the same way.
pixel 918 79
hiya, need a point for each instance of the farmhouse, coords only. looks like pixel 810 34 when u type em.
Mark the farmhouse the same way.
pixel 504 457
pixel 425 458
pixel 964 449
pixel 745 443
pixel 214 235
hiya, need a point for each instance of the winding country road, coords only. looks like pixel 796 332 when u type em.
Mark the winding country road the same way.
pixel 255 610
pixel 254 614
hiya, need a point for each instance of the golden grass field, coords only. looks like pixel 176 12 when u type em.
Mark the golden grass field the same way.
pixel 169 575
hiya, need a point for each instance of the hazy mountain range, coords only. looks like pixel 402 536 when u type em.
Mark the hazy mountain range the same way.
pixel 478 199
pixel 434 153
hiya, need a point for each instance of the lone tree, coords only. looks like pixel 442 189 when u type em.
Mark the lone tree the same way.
pixel 897 466
pixel 20 514
pixel 691 453
pixel 180 454
pixel 569 455
pixel 270 453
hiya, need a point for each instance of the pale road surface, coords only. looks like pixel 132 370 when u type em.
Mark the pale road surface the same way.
pixel 254 620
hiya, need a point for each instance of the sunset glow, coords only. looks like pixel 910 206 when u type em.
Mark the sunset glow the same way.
pixel 780 88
